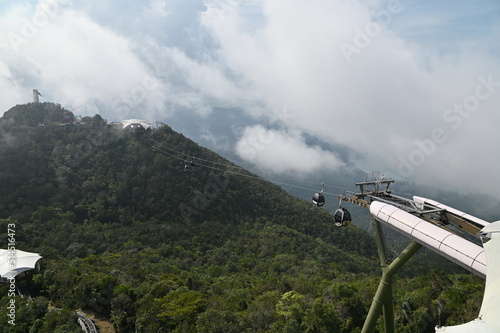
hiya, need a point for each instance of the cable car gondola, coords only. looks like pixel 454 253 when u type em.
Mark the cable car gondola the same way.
pixel 318 199
pixel 188 165
pixel 342 217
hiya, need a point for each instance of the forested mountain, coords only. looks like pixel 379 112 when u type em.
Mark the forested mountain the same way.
pixel 127 233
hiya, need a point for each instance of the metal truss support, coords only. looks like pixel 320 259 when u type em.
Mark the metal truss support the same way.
pixel 383 301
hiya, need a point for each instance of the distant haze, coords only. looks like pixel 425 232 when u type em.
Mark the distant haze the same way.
pixel 411 88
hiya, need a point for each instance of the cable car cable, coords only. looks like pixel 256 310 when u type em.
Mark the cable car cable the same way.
pixel 238 167
pixel 152 144
pixel 191 156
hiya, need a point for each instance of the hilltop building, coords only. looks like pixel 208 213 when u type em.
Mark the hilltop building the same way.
pixel 135 124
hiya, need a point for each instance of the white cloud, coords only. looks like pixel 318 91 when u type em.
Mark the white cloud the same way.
pixel 73 61
pixel 280 62
pixel 391 93
pixel 279 151
pixel 198 85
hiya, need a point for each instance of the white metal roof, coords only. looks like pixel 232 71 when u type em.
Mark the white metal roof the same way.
pixel 451 210
pixel 482 261
pixel 144 124
pixel 489 319
pixel 15 262
pixel 475 326
pixel 490 308
pixel 459 250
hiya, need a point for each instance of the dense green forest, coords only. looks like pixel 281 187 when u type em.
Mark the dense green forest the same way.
pixel 127 234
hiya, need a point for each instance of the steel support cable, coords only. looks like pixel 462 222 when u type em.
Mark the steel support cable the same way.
pixel 187 155
pixel 197 159
pixel 236 166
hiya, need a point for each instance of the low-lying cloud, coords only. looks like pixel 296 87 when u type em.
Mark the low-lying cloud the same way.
pixel 279 151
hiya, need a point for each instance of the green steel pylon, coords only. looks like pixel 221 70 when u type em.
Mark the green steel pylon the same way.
pixel 383 301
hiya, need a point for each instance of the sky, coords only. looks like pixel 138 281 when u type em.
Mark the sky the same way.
pixel 410 88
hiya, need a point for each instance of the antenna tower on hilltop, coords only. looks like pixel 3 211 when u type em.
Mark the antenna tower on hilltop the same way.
pixel 36 93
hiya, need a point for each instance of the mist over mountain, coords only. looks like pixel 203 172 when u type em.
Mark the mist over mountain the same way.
pixel 152 232
pixel 408 96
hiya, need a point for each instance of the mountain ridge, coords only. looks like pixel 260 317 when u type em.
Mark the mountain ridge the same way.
pixel 125 232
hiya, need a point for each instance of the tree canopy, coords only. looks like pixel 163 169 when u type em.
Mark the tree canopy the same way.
pixel 126 233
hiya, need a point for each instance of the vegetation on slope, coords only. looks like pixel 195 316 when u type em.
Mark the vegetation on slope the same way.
pixel 126 233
